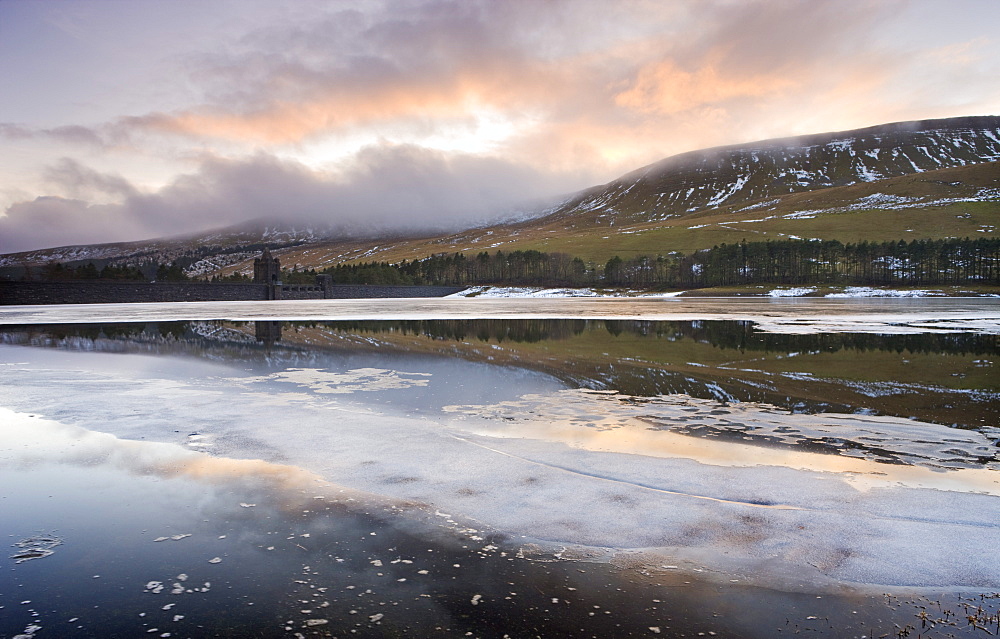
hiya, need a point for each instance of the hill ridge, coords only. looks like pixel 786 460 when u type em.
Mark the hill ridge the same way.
pixel 727 175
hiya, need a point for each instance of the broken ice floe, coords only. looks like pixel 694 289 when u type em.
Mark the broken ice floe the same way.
pixel 29 631
pixel 197 440
pixel 173 537
pixel 35 547
pixel 176 588
pixel 357 380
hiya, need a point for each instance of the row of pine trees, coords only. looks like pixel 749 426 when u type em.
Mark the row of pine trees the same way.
pixel 56 272
pixel 790 262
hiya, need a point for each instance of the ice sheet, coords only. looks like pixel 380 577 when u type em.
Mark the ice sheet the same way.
pixel 352 381
pixel 582 471
pixel 746 434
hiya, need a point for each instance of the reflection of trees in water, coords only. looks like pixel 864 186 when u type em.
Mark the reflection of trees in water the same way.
pixel 602 358
pixel 724 334
pixel 526 331
pixel 115 331
pixel 741 335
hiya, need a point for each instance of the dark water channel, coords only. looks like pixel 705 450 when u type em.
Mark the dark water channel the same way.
pixel 291 564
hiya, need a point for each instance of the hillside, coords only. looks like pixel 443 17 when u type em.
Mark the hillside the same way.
pixel 958 202
pixel 912 180
pixel 739 175
pixel 931 179
pixel 200 254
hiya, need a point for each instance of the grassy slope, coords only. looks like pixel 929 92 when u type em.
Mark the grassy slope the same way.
pixel 591 238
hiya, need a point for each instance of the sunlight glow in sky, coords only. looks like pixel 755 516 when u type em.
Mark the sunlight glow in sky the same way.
pixel 135 119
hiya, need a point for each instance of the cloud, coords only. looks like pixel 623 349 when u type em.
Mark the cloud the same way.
pixel 430 114
pixel 70 134
pixel 79 181
pixel 428 64
pixel 384 189
pixel 55 221
pixel 630 74
pixel 663 88
pixel 406 67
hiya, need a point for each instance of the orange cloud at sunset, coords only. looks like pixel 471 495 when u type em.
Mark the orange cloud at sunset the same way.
pixel 663 88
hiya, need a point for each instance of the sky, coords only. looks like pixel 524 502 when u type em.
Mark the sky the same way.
pixel 133 119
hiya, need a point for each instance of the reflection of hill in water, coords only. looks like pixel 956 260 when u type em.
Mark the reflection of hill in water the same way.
pixel 939 377
pixel 725 334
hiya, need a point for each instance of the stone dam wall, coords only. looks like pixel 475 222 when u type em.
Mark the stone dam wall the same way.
pixel 91 292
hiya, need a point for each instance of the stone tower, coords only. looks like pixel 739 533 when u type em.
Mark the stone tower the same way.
pixel 266 269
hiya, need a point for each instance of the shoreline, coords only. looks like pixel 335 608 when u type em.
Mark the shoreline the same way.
pixel 886 315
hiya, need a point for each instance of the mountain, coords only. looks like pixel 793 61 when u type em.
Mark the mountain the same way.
pixel 200 254
pixel 908 180
pixel 743 174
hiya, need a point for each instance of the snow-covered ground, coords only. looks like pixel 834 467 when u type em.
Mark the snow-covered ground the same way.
pixel 866 291
pixel 538 291
pixel 524 291
pixel 593 474
pixel 855 291
pixel 791 292
pixel 797 291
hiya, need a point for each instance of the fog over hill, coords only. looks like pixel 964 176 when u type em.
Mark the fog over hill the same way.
pixel 740 179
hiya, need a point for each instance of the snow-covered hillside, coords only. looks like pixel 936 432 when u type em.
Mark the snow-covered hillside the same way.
pixel 749 173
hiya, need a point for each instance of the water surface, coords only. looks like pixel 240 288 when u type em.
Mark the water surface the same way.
pixel 573 477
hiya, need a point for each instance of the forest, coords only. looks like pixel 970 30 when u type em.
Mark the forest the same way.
pixel 788 262
pixel 150 271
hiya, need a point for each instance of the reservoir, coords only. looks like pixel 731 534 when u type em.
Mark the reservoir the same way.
pixel 626 467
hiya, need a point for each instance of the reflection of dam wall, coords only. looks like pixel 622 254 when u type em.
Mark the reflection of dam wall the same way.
pixel 116 292
pixel 107 292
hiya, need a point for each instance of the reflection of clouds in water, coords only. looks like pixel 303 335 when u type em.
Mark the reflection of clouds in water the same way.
pixel 27 441
pixel 652 419
pixel 359 379
pixel 536 474
pixel 733 504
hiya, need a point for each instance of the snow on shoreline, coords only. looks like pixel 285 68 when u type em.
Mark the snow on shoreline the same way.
pixel 866 291
pixel 791 292
pixel 520 292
